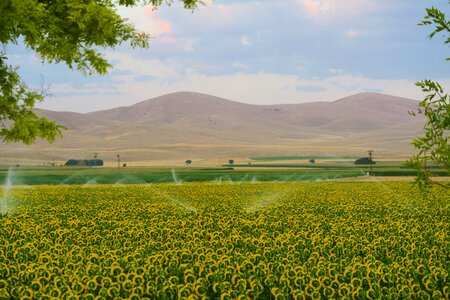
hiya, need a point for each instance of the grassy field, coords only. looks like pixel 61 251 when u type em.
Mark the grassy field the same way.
pixel 262 171
pixel 308 157
pixel 222 241
pixel 61 175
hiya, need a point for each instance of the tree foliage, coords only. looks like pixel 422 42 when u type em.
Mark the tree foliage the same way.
pixel 17 120
pixel 434 144
pixel 442 25
pixel 62 31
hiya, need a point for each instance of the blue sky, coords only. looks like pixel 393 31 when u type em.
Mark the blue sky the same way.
pixel 260 52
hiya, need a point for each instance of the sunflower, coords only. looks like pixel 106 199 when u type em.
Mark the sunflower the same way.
pixel 344 290
pixel 446 292
pixel 89 296
pixel 106 282
pixel 55 292
pixel 429 283
pixel 114 291
pixel 189 278
pixel 329 292
pixel 35 285
pixel 103 293
pixel 200 290
pixel 315 283
pixel 70 296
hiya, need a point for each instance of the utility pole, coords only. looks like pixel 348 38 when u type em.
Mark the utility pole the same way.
pixel 118 160
pixel 370 160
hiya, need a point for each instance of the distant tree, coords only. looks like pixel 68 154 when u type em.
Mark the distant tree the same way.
pixel 230 162
pixel 312 161
pixel 69 31
pixel 434 145
pixel 364 161
pixel 188 162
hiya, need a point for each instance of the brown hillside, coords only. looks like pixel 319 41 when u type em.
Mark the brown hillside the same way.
pixel 186 123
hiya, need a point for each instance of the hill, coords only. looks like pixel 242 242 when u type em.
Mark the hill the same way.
pixel 199 126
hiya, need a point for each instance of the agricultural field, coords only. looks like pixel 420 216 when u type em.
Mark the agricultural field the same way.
pixel 256 171
pixel 225 241
pixel 83 175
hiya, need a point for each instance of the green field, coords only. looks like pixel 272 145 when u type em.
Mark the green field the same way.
pixel 231 173
pixel 225 241
pixel 61 175
pixel 308 157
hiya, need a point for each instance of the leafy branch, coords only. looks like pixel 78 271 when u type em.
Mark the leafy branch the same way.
pixel 434 144
pixel 18 122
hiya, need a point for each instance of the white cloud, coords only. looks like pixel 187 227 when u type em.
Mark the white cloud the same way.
pixel 143 67
pixel 336 71
pixel 245 40
pixel 239 65
pixel 256 88
pixel 88 88
pixel 189 45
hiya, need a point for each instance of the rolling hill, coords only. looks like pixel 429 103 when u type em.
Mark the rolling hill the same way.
pixel 199 126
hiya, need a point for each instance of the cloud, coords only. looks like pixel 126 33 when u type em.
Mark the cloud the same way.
pixel 146 19
pixel 128 64
pixel 318 8
pixel 342 9
pixel 245 40
pixel 239 65
pixel 137 79
pixel 352 33
pixel 189 45
pixel 310 88
pixel 103 88
pixel 336 71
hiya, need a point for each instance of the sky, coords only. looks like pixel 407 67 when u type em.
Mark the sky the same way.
pixel 258 52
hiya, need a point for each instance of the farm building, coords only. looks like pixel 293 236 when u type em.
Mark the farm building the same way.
pixel 85 162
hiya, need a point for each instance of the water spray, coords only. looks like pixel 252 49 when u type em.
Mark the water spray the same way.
pixel 175 178
pixel 4 201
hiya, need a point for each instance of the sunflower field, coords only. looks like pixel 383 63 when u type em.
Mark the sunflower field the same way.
pixel 226 241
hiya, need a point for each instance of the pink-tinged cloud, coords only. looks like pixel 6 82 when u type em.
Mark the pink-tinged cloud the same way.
pixel 318 8
pixel 220 15
pixel 149 10
pixel 163 26
pixel 352 33
pixel 146 19
pixel 340 10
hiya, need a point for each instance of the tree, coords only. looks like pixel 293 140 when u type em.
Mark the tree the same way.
pixel 364 161
pixel 312 161
pixel 188 162
pixel 231 162
pixel 67 31
pixel 434 144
